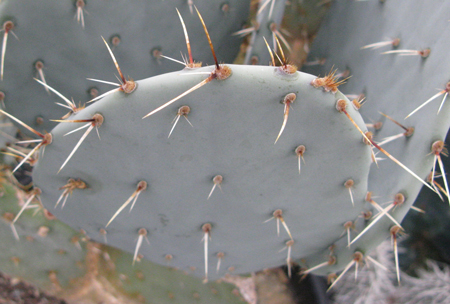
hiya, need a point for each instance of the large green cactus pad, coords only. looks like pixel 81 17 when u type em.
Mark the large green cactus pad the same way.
pixel 235 123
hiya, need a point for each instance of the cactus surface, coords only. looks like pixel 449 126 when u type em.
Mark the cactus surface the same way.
pixel 236 122
pixel 393 84
pixel 65 57
pixel 227 152
pixel 202 188
pixel 49 252
pixel 60 260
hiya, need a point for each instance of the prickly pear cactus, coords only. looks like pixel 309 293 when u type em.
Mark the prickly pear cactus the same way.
pixel 219 181
pixel 165 284
pixel 61 261
pixel 69 50
pixel 268 165
pixel 397 66
pixel 239 117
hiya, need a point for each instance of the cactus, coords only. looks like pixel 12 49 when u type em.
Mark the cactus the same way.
pixel 200 190
pixel 398 86
pixel 198 164
pixel 241 85
pixel 190 162
pixel 61 261
pixel 64 58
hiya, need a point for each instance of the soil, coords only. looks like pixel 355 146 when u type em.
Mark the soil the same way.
pixel 15 291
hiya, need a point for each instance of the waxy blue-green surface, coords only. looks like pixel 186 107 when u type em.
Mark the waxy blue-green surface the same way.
pixel 236 122
pixel 395 85
pixel 71 53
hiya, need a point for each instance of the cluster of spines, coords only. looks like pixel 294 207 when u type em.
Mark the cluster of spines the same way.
pixel 267 23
